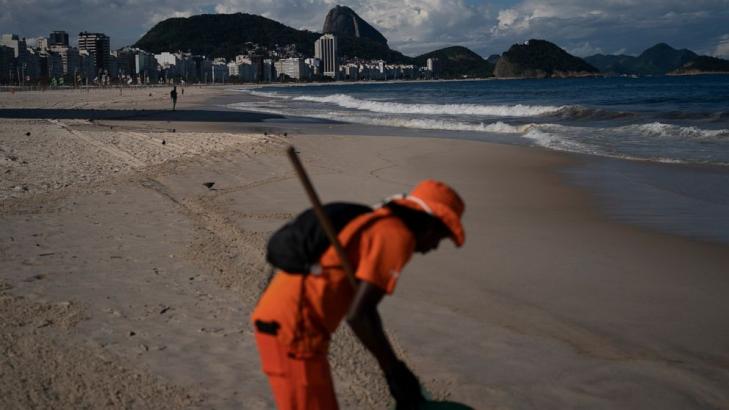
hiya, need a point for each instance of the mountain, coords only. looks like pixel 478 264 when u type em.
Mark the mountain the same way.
pixel 357 38
pixel 457 62
pixel 540 59
pixel 615 64
pixel 664 58
pixel 657 60
pixel 351 47
pixel 222 35
pixel 343 21
pixel 225 35
pixel 703 65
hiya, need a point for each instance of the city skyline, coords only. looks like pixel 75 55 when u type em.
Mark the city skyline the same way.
pixel 582 28
pixel 55 61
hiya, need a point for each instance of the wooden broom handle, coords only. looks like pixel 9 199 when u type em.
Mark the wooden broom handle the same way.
pixel 326 224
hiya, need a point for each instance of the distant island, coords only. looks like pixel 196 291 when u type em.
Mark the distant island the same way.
pixel 541 59
pixel 703 65
pixel 657 60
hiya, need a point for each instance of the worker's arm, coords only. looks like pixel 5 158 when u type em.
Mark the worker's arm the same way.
pixel 365 321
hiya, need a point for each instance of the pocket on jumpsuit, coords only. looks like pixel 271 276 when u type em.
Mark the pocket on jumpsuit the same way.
pixel 273 355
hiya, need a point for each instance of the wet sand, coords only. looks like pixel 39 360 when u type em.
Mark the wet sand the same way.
pixel 126 283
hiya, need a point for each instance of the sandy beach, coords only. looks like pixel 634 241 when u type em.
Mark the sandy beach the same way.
pixel 126 283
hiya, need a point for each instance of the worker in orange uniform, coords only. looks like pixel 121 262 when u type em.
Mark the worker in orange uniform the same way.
pixel 297 314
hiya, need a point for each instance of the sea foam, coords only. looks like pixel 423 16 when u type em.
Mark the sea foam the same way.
pixel 350 102
pixel 661 130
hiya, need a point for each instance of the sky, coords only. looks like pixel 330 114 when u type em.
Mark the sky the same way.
pixel 416 26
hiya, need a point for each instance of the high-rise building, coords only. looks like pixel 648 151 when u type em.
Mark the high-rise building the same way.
pixel 86 66
pixel 58 38
pixel 24 64
pixel 69 57
pixel 268 74
pixel 145 66
pixel 98 47
pixel 13 41
pixel 7 65
pixel 51 64
pixel 434 67
pixel 41 43
pixel 325 49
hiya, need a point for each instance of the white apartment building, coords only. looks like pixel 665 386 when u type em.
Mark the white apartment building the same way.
pixel 167 59
pixel 294 68
pixel 325 49
pixel 233 69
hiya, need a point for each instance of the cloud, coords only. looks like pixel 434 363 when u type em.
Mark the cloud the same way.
pixel 407 24
pixel 413 26
pixel 722 47
pixel 630 25
pixel 585 49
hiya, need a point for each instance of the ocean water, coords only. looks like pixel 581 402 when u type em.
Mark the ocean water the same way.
pixel 664 119
pixel 659 146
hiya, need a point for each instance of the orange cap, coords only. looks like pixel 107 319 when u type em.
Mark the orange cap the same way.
pixel 440 201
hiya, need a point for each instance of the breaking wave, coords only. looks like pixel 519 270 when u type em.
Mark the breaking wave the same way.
pixel 350 102
pixel 578 112
pixel 661 130
pixel 347 101
pixel 431 124
pixel 265 94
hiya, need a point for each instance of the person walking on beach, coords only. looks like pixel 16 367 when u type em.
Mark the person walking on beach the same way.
pixel 173 95
pixel 298 312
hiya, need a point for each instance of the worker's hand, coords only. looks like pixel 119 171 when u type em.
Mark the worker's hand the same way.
pixel 404 387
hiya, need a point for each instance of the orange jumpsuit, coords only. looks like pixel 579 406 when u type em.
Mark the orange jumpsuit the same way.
pixel 297 314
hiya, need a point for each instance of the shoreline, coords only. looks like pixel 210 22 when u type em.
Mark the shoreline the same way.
pixel 549 302
pixel 687 220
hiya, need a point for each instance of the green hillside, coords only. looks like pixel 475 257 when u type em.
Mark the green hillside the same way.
pixel 458 62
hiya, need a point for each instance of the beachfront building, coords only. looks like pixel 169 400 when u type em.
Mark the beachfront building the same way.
pixel 314 65
pixel 7 65
pixel 168 65
pixel 350 72
pixel 242 67
pixel 16 43
pixel 69 57
pixel 167 60
pixel 134 64
pixel 269 70
pixel 219 71
pixel 125 64
pixel 233 69
pixel 294 68
pixel 51 65
pixel 185 66
pixel 325 49
pixel 32 67
pixel 145 66
pixel 97 46
pixel 41 43
pixel 58 38
pixel 21 56
pixel 87 68
pixel 434 67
